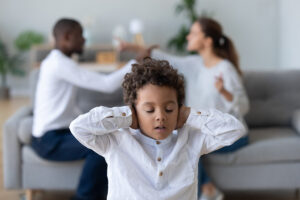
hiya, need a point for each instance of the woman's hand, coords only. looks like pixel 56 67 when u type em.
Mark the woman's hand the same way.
pixel 219 84
pixel 134 124
pixel 183 115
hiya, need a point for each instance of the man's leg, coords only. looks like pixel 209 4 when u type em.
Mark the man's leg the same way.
pixel 61 145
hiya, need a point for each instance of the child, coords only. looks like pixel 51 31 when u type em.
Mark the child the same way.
pixel 159 160
pixel 214 74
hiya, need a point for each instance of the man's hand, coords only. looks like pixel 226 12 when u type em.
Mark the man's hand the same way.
pixel 134 124
pixel 183 114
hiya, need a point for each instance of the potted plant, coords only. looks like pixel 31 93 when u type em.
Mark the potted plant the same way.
pixel 178 42
pixel 8 64
pixel 11 63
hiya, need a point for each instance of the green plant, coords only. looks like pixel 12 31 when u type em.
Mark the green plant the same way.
pixel 8 64
pixel 178 42
pixel 12 63
pixel 28 38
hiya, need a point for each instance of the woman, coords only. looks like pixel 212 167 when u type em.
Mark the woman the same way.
pixel 214 80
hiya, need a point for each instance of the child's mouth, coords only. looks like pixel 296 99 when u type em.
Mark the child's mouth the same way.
pixel 160 128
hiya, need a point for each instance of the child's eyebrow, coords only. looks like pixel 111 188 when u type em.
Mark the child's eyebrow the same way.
pixel 151 103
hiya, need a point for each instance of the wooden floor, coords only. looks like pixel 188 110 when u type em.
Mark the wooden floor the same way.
pixel 8 107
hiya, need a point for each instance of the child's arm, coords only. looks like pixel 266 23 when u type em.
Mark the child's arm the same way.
pixel 211 129
pixel 97 129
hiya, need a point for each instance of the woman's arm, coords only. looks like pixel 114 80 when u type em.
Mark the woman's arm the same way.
pixel 238 103
pixel 96 128
pixel 179 62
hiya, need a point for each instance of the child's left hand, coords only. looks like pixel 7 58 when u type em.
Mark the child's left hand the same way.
pixel 183 114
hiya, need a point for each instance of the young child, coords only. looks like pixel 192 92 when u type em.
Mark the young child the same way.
pixel 153 145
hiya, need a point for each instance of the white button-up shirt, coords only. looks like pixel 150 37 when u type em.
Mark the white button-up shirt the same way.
pixel 141 168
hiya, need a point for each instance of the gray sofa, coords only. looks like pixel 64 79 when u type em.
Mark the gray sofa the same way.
pixel 271 161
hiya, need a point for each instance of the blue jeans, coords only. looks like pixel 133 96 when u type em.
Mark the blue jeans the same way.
pixel 61 145
pixel 202 175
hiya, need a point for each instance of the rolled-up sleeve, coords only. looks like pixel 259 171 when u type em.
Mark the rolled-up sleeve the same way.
pixel 96 128
pixel 211 129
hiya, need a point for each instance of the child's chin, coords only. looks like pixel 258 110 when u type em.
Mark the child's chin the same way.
pixel 160 136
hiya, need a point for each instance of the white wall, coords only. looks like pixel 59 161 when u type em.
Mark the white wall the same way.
pixel 252 24
pixel 289 30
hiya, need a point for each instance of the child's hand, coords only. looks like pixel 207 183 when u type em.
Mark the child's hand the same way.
pixel 184 113
pixel 134 124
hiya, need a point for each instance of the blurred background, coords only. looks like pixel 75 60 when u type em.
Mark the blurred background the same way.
pixel 265 32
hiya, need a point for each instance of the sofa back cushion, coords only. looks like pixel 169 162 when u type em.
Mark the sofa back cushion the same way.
pixel 273 95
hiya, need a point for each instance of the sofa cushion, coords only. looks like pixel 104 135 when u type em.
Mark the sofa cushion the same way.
pixel 59 175
pixel 296 121
pixel 274 96
pixel 267 145
pixel 25 130
pixel 88 99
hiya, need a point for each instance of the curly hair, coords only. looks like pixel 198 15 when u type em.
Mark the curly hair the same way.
pixel 151 71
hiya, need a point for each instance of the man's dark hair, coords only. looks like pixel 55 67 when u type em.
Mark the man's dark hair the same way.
pixel 64 26
pixel 151 71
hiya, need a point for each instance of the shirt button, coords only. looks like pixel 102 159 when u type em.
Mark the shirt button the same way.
pixel 160 173
pixel 123 114
pixel 199 113
pixel 157 142
pixel 159 159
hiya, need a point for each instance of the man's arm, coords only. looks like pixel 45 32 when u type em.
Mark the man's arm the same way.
pixel 91 80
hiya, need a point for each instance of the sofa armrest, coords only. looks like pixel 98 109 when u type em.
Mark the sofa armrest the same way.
pixel 296 121
pixel 12 149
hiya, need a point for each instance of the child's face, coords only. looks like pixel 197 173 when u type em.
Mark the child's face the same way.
pixel 157 110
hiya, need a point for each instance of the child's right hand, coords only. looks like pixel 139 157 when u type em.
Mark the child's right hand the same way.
pixel 134 124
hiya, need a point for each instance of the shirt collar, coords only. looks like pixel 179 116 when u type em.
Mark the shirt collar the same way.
pixel 160 143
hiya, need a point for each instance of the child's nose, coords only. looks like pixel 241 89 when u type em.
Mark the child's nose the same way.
pixel 160 116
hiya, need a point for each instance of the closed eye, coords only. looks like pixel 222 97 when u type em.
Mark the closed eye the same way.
pixel 169 111
pixel 149 111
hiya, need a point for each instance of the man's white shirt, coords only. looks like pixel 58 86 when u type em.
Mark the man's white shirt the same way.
pixel 55 100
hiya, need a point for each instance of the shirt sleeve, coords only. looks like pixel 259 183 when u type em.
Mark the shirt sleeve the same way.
pixel 210 130
pixel 233 83
pixel 97 128
pixel 84 78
